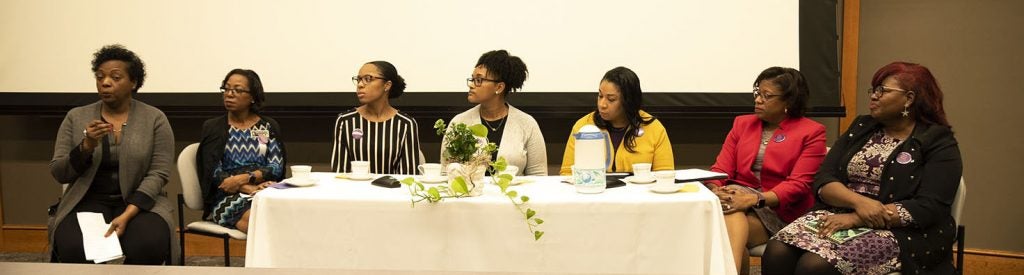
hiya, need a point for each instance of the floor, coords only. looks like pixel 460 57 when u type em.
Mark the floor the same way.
pixel 189 261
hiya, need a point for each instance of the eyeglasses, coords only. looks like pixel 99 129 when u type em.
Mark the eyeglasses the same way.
pixel 477 81
pixel 880 91
pixel 233 90
pixel 765 96
pixel 365 79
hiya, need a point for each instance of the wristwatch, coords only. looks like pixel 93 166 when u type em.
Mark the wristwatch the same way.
pixel 252 177
pixel 760 200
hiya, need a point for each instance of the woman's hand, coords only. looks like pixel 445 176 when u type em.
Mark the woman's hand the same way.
pixel 734 201
pixel 835 222
pixel 94 131
pixel 873 213
pixel 232 184
pixel 120 223
pixel 252 189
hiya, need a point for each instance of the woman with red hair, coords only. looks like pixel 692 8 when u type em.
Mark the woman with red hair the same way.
pixel 884 191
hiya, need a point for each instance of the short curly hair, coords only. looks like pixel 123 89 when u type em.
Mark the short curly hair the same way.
pixel 506 68
pixel 136 69
pixel 795 90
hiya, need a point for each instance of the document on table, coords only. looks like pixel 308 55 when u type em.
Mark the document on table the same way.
pixel 97 248
pixel 698 175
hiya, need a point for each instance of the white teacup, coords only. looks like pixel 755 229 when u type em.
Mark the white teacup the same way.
pixel 302 171
pixel 360 168
pixel 430 170
pixel 642 171
pixel 665 176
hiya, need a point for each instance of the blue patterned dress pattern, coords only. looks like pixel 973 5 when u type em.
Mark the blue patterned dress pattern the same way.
pixel 246 150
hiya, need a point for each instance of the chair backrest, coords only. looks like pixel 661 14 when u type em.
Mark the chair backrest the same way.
pixel 958 201
pixel 189 177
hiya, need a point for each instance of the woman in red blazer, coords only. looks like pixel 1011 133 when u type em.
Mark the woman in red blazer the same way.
pixel 771 158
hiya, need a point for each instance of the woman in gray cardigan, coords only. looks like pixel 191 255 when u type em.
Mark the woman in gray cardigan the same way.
pixel 496 75
pixel 116 156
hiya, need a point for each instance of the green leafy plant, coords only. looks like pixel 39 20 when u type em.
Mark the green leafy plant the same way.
pixel 468 145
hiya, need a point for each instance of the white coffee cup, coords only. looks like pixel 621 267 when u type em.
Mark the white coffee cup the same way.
pixel 642 171
pixel 665 176
pixel 511 170
pixel 302 171
pixel 430 170
pixel 360 168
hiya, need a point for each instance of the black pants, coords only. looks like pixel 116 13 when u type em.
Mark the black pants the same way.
pixel 146 239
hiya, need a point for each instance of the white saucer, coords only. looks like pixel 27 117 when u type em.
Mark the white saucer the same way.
pixel 440 179
pixel 665 188
pixel 301 182
pixel 634 180
pixel 360 177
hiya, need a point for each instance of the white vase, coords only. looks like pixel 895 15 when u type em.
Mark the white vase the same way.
pixel 474 180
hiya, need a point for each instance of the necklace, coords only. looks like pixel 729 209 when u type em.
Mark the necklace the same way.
pixel 493 128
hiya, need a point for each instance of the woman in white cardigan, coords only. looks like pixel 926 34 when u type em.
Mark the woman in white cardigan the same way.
pixel 517 134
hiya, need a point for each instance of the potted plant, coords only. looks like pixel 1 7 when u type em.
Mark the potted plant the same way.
pixel 468 155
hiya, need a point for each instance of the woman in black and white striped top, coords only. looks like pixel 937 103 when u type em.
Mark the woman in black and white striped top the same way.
pixel 376 132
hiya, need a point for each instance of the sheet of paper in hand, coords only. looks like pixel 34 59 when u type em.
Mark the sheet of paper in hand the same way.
pixel 98 248
pixel 840 236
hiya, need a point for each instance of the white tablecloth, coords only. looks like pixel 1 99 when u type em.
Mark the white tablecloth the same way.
pixel 354 225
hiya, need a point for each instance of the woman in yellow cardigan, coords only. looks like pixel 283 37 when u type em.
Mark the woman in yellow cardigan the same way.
pixel 636 136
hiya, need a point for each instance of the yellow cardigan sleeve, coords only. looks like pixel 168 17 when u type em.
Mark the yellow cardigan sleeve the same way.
pixel 568 158
pixel 663 158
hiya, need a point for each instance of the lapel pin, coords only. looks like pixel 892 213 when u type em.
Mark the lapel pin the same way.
pixel 779 138
pixel 904 158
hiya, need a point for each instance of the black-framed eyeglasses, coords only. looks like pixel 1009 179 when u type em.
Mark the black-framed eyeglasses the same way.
pixel 236 91
pixel 757 93
pixel 882 90
pixel 365 79
pixel 477 81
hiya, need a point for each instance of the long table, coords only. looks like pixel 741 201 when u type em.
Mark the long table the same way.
pixel 354 225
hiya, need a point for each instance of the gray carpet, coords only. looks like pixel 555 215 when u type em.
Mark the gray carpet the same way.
pixel 190 261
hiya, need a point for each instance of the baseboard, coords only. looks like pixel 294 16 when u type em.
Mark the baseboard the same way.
pixel 32 239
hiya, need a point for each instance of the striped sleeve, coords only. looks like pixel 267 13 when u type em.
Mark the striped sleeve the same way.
pixel 410 148
pixel 340 155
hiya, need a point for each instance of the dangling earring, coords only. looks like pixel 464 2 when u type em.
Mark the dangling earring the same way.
pixel 905 112
pixel 785 110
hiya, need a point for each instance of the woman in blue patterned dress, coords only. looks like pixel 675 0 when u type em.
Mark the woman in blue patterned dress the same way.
pixel 240 153
pixel 895 172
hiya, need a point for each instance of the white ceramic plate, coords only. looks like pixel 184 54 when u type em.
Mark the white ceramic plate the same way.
pixel 665 188
pixel 634 180
pixel 441 179
pixel 300 182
